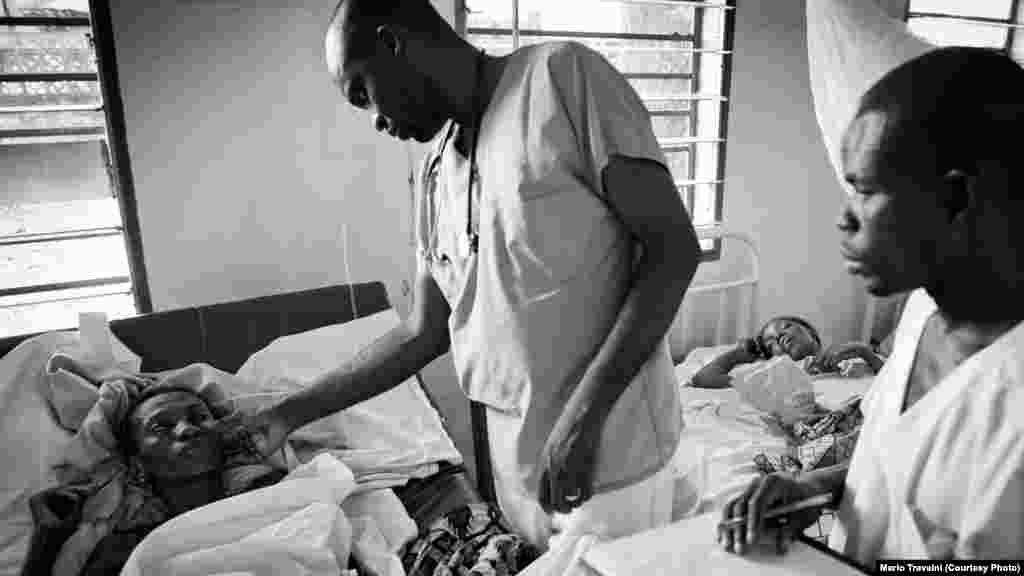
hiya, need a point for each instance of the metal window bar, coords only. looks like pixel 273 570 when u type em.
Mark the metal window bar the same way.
pixel 658 75
pixel 98 131
pixel 692 3
pixel 675 37
pixel 51 135
pixel 17 239
pixel 698 32
pixel 1011 36
pixel 51 108
pixel 685 143
pixel 37 288
pixel 49 77
pixel 996 22
pixel 46 21
pixel 65 299
pixel 684 98
pixel 695 48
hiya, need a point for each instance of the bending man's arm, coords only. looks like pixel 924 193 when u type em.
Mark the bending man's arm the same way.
pixel 384 364
pixel 644 197
pixel 646 200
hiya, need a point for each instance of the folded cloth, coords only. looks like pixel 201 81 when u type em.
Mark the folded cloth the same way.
pixel 105 502
pixel 295 527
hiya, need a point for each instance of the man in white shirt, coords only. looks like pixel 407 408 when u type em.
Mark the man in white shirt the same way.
pixel 553 253
pixel 933 163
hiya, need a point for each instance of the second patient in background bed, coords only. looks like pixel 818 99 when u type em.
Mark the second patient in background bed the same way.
pixel 798 339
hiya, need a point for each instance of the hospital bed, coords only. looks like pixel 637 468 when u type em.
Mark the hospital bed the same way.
pixel 723 434
pixel 225 335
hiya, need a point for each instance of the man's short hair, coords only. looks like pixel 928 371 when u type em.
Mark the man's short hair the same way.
pixel 955 106
pixel 362 17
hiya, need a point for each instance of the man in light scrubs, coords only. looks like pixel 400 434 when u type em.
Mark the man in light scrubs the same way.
pixel 935 206
pixel 553 253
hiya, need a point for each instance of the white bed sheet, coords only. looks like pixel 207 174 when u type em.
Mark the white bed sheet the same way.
pixel 30 425
pixel 714 461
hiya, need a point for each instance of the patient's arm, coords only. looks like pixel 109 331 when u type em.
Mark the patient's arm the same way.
pixel 716 373
pixel 828 361
pixel 384 364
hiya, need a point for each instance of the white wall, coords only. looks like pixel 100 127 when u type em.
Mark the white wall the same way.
pixel 247 164
pixel 781 187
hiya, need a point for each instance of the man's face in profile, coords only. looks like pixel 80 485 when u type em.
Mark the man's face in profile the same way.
pixel 891 215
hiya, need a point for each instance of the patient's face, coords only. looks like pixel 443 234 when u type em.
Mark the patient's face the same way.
pixel 782 336
pixel 889 219
pixel 175 437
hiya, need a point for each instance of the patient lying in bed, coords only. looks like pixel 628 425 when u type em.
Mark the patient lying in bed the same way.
pixel 793 337
pixel 152 449
pixel 175 456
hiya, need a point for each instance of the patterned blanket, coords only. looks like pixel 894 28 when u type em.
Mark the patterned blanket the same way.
pixel 472 540
pixel 819 441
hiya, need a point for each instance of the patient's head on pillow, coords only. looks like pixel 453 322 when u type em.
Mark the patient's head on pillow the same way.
pixel 789 335
pixel 172 432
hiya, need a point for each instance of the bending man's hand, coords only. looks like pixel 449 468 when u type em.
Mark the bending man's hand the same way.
pixel 268 431
pixel 762 495
pixel 567 463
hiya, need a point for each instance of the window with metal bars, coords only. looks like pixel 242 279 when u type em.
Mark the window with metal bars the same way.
pixel 66 245
pixel 677 54
pixel 997 24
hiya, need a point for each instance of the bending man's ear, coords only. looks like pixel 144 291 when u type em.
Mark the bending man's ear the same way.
pixel 392 41
pixel 959 191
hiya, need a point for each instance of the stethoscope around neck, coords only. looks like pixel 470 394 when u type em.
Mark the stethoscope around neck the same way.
pixel 472 237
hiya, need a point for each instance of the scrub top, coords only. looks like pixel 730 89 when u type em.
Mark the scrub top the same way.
pixel 945 478
pixel 531 307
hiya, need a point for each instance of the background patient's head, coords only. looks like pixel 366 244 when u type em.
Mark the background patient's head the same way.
pixel 172 433
pixel 789 335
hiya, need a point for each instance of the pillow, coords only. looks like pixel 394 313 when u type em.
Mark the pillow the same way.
pixel 36 411
pixel 400 427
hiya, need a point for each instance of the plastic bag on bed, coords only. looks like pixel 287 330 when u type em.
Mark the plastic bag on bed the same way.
pixel 779 387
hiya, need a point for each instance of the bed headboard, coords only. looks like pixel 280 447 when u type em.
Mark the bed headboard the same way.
pixel 224 335
pixel 723 308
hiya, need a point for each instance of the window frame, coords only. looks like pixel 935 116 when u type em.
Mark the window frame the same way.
pixel 112 138
pixel 686 188
pixel 1011 22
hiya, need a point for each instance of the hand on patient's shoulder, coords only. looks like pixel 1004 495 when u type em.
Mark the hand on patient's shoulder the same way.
pixel 263 428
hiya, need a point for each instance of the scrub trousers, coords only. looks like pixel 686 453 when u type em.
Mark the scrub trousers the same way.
pixel 566 537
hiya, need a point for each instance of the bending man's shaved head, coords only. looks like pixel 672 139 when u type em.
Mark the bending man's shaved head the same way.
pixel 951 109
pixel 356 21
